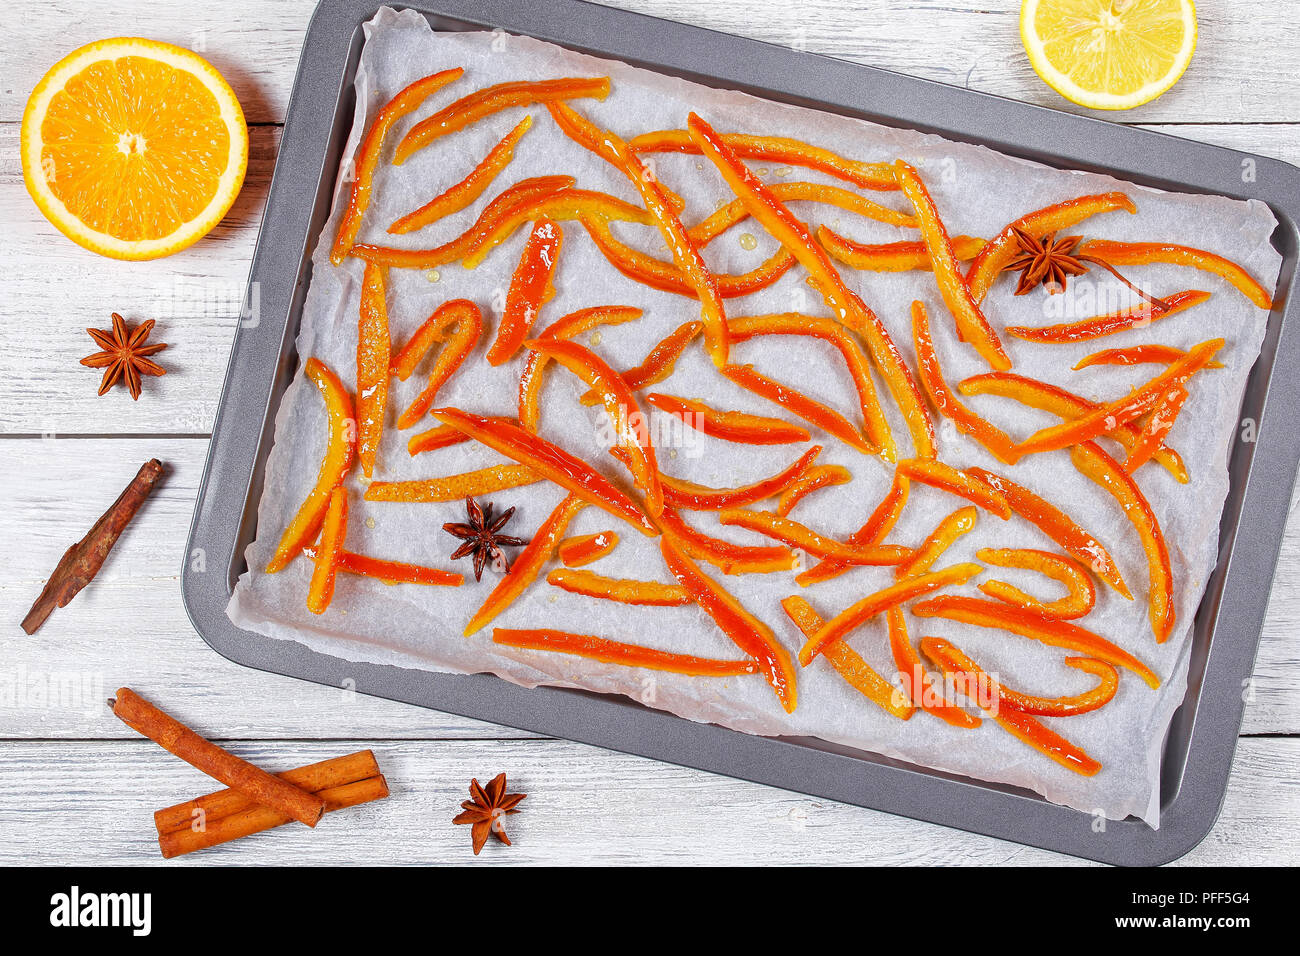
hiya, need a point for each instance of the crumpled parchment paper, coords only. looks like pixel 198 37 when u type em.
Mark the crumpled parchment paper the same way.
pixel 977 192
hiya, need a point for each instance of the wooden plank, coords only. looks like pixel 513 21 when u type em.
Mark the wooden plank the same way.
pixel 130 626
pixel 584 806
pixel 1241 71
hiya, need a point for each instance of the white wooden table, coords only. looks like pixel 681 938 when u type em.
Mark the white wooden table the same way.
pixel 77 787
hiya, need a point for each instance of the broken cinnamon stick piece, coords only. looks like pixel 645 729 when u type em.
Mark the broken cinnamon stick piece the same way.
pixel 173 736
pixel 256 818
pixel 312 778
pixel 81 562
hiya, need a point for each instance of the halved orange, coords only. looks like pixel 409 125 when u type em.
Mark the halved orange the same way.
pixel 133 148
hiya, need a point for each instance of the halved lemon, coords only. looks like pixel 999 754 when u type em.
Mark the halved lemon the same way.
pixel 1109 54
pixel 133 148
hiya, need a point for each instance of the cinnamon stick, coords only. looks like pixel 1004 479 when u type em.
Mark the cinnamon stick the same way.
pixel 169 733
pixel 312 778
pixel 81 562
pixel 256 818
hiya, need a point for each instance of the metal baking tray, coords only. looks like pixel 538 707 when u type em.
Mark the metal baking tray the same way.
pixel 1201 739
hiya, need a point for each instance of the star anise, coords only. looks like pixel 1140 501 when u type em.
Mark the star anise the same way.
pixel 125 357
pixel 481 537
pixel 488 810
pixel 1046 261
pixel 1049 262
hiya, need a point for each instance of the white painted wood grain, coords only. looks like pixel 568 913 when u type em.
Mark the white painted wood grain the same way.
pixel 92 802
pixel 62 799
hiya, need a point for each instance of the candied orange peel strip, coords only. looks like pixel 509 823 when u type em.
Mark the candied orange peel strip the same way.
pixel 457 197
pixel 972 327
pixel 877 526
pixel 684 252
pixel 1079 600
pixel 1106 418
pixel 1066 404
pixel 374 355
pixel 845 305
pixel 949 529
pixel 929 371
pixel 857 614
pixel 431 331
pixel 1136 355
pixel 1140 315
pixel 393 572
pixel 848 663
pixel 564 204
pixel 1060 527
pixel 617 652
pixel 492 99
pixel 367 156
pixel 340 447
pixel 1158 425
pixel 667 277
pixel 1145 253
pixel 621 590
pixel 440 436
pixel 749 633
pixel 796 535
pixel 1047 630
pixel 812 479
pixel 531 286
pixel 469 328
pixel 1098 696
pixel 660 362
pixel 334 529
pixel 734 212
pixel 584 549
pixel 799 405
pixel 471 484
pixel 565 327
pixel 527 564
pixel 904 256
pixel 726 556
pixel 955 481
pixel 549 461
pixel 1102 469
pixel 874 425
pixel 776 149
pixel 739 427
pixel 918 686
pixel 1003 248
pixel 524 194
pixel 629 422
pixel 1019 724
pixel 690 496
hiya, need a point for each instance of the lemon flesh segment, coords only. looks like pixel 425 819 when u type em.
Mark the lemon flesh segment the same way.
pixel 132 148
pixel 1109 54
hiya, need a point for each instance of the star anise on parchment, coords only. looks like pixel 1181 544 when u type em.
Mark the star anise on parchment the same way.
pixel 1046 261
pixel 1050 262
pixel 488 810
pixel 124 356
pixel 482 538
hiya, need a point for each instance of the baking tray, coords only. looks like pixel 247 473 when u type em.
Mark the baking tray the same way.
pixel 1203 734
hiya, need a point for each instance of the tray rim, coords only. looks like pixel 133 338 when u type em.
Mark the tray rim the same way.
pixel 262 360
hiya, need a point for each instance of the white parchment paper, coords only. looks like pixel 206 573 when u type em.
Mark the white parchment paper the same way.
pixel 977 191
